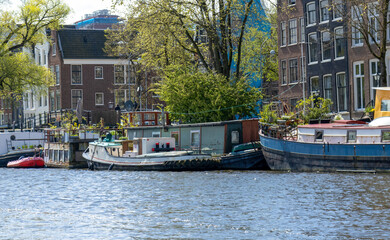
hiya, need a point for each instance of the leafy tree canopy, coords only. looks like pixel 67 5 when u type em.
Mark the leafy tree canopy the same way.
pixel 204 32
pixel 194 96
pixel 26 28
pixel 17 71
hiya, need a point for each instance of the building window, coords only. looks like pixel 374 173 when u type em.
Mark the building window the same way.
pixel 120 97
pixel 52 101
pixel 44 57
pixel 338 9
pixel 302 29
pixel 58 100
pixel 76 74
pixel 313 48
pixel 293 104
pixel 57 67
pixel 339 43
pixel 311 13
pixel 54 49
pixel 98 72
pixel 351 136
pixel 32 100
pixel 357 37
pixel 293 73
pixel 324 10
pixel 99 99
pixel 326 45
pixel 314 86
pixel 292 33
pixel 53 72
pixel 283 34
pixel 373 17
pixel 358 70
pixel 131 74
pixel 284 72
pixel 119 74
pixel 76 94
pixel 374 71
pixel 195 139
pixel 341 92
pixel 327 81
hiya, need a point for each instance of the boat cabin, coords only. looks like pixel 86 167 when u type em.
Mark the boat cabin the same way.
pixel 382 102
pixel 346 131
pixel 140 146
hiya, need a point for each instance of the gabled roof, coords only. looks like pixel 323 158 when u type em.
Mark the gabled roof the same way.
pixel 82 44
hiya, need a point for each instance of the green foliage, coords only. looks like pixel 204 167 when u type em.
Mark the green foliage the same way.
pixel 70 122
pixel 268 115
pixel 260 49
pixel 167 33
pixel 193 96
pixel 26 28
pixel 18 71
pixel 315 108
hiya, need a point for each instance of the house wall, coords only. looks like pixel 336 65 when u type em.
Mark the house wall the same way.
pixel 290 91
pixel 215 138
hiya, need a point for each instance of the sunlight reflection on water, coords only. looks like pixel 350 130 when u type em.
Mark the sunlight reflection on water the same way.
pixel 82 204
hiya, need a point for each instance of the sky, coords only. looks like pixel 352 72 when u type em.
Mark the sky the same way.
pixel 78 8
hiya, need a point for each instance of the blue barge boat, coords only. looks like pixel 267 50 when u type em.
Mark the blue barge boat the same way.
pixel 338 146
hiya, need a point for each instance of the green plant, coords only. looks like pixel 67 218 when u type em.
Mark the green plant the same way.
pixel 338 117
pixel 268 115
pixel 123 138
pixel 369 109
pixel 315 108
pixel 31 147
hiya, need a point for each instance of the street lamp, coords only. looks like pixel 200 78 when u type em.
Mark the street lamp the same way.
pixel 118 111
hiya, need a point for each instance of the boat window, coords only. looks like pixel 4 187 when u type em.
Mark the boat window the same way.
pixel 235 137
pixel 175 135
pixel 385 105
pixel 195 138
pixel 66 156
pixel 319 134
pixel 351 136
pixel 385 136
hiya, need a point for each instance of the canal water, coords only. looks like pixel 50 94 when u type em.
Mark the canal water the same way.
pixel 82 204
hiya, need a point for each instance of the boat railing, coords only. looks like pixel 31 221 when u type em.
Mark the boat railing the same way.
pixel 284 129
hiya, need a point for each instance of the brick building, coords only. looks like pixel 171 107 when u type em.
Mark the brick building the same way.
pixel 315 39
pixel 85 72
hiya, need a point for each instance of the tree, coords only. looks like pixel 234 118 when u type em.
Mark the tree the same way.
pixel 205 32
pixel 368 21
pixel 192 96
pixel 26 28
pixel 259 61
pixel 17 71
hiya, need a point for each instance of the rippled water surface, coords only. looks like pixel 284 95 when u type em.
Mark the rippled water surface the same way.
pixel 82 204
